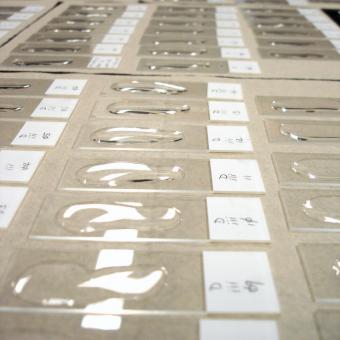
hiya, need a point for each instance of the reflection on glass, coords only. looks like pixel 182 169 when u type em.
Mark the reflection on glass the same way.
pixel 89 218
pixel 69 285
pixel 310 133
pixel 323 208
pixel 128 135
pixel 117 173
pixel 318 169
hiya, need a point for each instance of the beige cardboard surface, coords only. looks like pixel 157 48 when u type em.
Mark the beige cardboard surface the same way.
pixel 131 63
pixel 48 5
pixel 129 51
pixel 59 326
pixel 297 316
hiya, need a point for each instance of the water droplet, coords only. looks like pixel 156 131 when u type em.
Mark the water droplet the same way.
pixel 136 86
pixel 310 132
pixel 92 218
pixel 119 173
pixel 127 135
pixel 323 208
pixel 69 285
pixel 318 169
pixel 142 108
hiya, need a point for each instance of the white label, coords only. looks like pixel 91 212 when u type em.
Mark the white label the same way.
pixel 241 53
pixel 136 8
pixel 114 258
pixel 325 26
pixel 225 9
pixel 229 138
pixel 9 25
pixel 316 18
pixel 107 49
pixel 104 62
pixel 225 16
pixel 10 200
pixel 238 329
pixel 55 108
pixel 126 22
pixel 33 8
pixel 236 219
pixel 238 282
pixel 225 91
pixel 19 166
pixel 132 14
pixel 228 111
pixel 336 43
pixel 237 42
pixel 104 307
pixel 20 16
pixel 227 24
pixel 3 33
pixel 121 30
pixel 102 322
pixel 228 32
pixel 309 11
pixel 236 66
pixel 115 39
pixel 236 175
pixel 39 134
pixel 297 2
pixel 332 34
pixel 121 235
pixel 72 87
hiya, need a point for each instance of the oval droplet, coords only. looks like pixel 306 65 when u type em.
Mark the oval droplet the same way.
pixel 126 108
pixel 93 218
pixel 318 169
pixel 310 132
pixel 69 285
pixel 127 135
pixel 119 173
pixel 323 208
pixel 136 86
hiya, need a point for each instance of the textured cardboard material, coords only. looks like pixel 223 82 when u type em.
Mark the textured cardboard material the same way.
pixel 297 318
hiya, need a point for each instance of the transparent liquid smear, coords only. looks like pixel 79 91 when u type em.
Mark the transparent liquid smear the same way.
pixel 318 169
pixel 127 135
pixel 119 173
pixel 93 218
pixel 306 105
pixel 323 208
pixel 157 87
pixel 142 108
pixel 311 133
pixel 69 285
pixel 24 334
